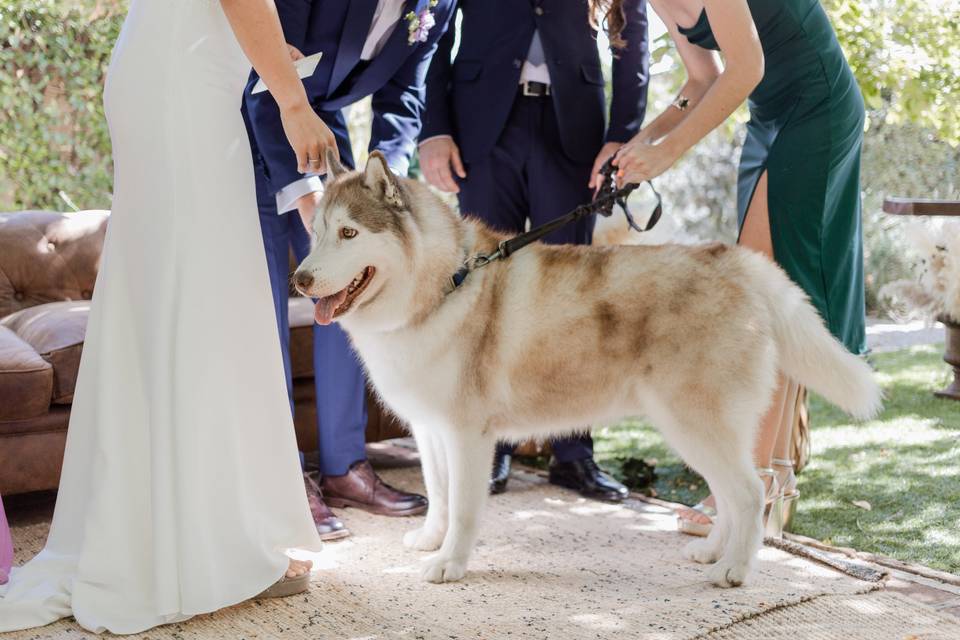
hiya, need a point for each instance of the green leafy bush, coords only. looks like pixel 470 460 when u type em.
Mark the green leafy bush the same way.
pixel 906 57
pixel 53 136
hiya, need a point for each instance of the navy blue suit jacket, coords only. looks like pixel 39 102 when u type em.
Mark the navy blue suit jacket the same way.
pixel 395 78
pixel 470 97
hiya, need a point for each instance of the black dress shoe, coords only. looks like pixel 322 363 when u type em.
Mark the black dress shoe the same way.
pixel 587 478
pixel 500 473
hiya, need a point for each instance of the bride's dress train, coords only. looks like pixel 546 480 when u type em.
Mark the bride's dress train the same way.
pixel 181 484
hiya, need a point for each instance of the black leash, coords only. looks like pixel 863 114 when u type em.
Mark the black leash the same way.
pixel 608 196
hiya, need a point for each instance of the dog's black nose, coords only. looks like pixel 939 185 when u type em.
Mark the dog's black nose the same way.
pixel 303 280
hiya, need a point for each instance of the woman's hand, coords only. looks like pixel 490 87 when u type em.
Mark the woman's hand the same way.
pixel 638 161
pixel 308 135
pixel 294 52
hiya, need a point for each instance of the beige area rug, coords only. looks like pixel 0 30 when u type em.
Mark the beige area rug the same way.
pixel 550 565
pixel 879 615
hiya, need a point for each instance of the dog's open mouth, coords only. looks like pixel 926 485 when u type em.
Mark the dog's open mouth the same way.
pixel 339 303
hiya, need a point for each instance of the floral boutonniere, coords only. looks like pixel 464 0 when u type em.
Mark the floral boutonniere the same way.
pixel 420 21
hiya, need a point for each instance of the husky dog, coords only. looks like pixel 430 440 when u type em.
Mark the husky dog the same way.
pixel 558 337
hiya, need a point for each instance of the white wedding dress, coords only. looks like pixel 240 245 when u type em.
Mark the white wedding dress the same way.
pixel 181 485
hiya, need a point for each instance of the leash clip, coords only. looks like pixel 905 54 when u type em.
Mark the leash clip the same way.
pixel 471 264
pixel 478 261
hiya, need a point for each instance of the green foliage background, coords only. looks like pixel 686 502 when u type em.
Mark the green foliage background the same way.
pixel 53 136
pixel 906 56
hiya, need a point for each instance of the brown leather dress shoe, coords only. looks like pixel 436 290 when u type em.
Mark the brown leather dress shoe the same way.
pixel 362 488
pixel 328 525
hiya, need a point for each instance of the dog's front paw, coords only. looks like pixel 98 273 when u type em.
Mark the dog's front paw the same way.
pixel 422 539
pixel 728 574
pixel 703 550
pixel 440 569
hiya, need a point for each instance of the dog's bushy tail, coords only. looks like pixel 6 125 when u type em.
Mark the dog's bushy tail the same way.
pixel 809 354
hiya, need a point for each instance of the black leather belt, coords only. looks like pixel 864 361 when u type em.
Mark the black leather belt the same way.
pixel 534 89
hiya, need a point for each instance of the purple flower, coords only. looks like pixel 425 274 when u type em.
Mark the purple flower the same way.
pixel 420 22
pixel 426 23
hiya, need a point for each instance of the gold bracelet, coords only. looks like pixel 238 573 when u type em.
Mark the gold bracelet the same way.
pixel 681 103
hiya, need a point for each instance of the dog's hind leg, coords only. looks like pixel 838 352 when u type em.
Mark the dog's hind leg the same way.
pixel 732 475
pixel 433 461
pixel 720 452
pixel 468 456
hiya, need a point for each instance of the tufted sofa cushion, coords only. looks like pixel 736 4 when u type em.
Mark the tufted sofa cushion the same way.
pixel 26 379
pixel 48 256
pixel 55 330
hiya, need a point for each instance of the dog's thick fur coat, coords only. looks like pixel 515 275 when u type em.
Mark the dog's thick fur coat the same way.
pixel 557 338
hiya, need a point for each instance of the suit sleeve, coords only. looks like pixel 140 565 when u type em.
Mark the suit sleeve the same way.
pixel 398 106
pixel 437 120
pixel 275 155
pixel 631 75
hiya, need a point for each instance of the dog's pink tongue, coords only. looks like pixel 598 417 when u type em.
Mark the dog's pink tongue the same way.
pixel 326 307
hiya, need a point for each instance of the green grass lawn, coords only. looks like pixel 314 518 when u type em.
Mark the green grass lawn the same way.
pixel 905 464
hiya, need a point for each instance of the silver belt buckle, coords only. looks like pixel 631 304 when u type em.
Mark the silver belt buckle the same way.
pixel 529 94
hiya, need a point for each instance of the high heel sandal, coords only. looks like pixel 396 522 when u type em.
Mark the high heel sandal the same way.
pixel 772 504
pixel 788 485
pixel 772 510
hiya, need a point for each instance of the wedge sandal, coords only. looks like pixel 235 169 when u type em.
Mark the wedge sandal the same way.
pixel 285 587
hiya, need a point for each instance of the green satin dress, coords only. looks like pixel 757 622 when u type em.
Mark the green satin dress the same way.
pixel 806 131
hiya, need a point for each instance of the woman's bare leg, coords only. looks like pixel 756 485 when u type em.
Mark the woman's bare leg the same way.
pixel 783 461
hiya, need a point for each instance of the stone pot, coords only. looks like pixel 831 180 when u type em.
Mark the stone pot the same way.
pixel 951 357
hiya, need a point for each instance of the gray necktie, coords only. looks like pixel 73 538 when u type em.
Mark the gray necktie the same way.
pixel 535 55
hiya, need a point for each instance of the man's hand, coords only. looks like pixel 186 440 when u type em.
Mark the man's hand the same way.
pixel 437 156
pixel 307 206
pixel 608 150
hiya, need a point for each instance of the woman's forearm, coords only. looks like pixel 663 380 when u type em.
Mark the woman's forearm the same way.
pixel 643 158
pixel 661 125
pixel 257 28
pixel 737 37
pixel 668 120
pixel 720 100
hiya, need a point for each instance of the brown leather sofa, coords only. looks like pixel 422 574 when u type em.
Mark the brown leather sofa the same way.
pixel 48 266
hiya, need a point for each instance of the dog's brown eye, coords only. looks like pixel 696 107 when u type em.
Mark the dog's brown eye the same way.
pixel 348 232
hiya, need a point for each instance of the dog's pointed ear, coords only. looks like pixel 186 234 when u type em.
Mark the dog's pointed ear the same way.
pixel 334 168
pixel 378 177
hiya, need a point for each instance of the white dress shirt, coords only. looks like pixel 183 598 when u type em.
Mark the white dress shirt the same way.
pixel 535 66
pixel 385 20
